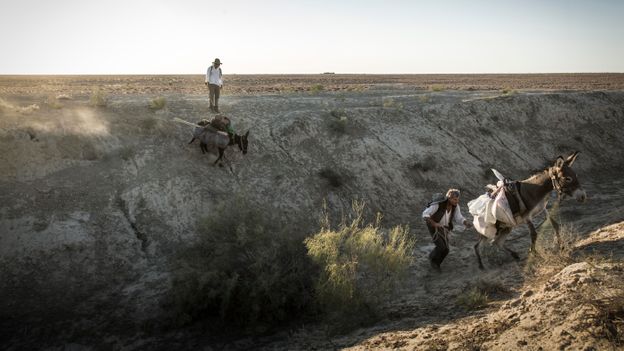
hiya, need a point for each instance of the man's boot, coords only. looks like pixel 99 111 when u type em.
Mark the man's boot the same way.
pixel 216 109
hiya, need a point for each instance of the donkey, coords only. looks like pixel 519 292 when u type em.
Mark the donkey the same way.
pixel 209 137
pixel 534 192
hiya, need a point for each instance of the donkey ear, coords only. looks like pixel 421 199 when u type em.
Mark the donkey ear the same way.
pixel 559 162
pixel 247 134
pixel 570 160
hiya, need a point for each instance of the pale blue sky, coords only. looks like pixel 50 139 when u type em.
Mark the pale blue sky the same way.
pixel 280 36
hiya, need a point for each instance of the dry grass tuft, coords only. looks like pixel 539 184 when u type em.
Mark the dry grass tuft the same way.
pixel 53 103
pixel 98 98
pixel 361 264
pixel 339 122
pixel 472 299
pixel 157 103
pixel 5 105
pixel 317 88
pixel 391 103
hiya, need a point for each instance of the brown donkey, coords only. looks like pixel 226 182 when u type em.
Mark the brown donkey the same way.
pixel 534 192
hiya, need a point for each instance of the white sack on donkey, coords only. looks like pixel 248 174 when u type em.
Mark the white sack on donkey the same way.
pixel 494 218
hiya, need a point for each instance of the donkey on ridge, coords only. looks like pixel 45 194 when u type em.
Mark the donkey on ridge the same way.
pixel 534 192
pixel 211 137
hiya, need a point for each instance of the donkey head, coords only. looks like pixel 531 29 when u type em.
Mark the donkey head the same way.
pixel 564 178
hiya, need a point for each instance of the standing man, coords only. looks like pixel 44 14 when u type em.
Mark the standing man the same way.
pixel 214 81
pixel 439 217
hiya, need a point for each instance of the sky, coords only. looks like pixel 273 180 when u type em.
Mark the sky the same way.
pixel 296 36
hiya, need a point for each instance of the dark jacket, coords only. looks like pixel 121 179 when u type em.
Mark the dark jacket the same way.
pixel 437 216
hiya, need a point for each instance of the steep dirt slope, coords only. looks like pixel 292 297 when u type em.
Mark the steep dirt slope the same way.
pixel 581 307
pixel 96 201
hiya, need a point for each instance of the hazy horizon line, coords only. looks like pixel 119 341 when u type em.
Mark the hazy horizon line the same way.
pixel 320 73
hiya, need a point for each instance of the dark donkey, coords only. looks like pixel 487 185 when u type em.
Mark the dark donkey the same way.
pixel 210 137
pixel 534 192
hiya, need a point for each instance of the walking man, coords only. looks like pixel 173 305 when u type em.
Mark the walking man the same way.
pixel 439 217
pixel 214 81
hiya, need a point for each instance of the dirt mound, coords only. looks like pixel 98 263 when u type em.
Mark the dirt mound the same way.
pixel 580 308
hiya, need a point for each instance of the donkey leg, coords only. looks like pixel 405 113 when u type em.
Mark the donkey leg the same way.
pixel 203 147
pixel 502 233
pixel 220 157
pixel 192 140
pixel 533 236
pixel 476 250
pixel 556 227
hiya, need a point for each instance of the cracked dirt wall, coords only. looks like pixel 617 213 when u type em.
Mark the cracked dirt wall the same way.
pixel 96 201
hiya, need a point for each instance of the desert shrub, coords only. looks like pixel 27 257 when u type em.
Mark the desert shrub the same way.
pixel 339 122
pixel 53 103
pixel 98 98
pixel 425 164
pixel 333 178
pixel 491 286
pixel 360 264
pixel 148 123
pixel 392 103
pixel 472 299
pixel 5 105
pixel 437 87
pixel 338 113
pixel 606 297
pixel 424 98
pixel 552 255
pixel 126 152
pixel 508 91
pixel 157 103
pixel 246 269
pixel 317 88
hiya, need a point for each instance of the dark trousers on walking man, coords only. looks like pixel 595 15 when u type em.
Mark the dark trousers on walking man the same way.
pixel 214 92
pixel 440 237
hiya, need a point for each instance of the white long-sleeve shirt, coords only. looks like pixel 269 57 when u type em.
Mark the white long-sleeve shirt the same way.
pixel 214 76
pixel 457 218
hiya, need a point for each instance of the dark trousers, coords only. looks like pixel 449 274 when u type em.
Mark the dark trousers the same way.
pixel 440 239
pixel 213 92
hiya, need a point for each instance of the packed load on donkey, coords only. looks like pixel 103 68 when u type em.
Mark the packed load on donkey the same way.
pixel 512 203
pixel 217 133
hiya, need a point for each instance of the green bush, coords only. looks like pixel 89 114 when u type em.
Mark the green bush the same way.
pixel 360 264
pixel 472 299
pixel 437 87
pixel 246 269
pixel 98 98
pixel 339 121
pixel 317 88
pixel 508 91
pixel 157 103
pixel 391 103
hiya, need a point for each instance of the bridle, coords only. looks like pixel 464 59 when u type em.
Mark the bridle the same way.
pixel 557 181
